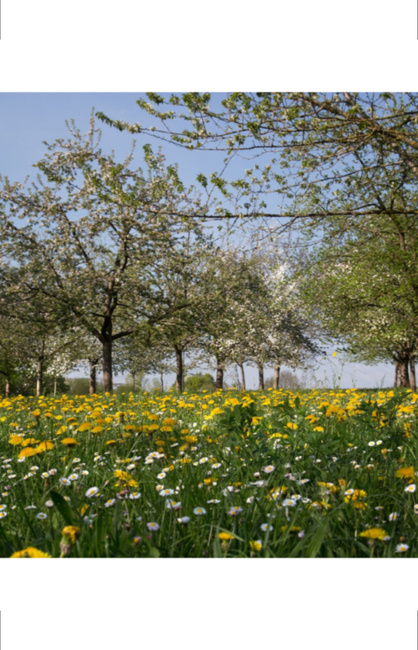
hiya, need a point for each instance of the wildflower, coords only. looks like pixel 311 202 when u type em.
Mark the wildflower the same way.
pixel 405 472
pixel 135 495
pixel 199 511
pixel 266 527
pixel 374 533
pixel 256 545
pixel 173 505
pixel 411 488
pixel 65 481
pixel 153 526
pixel 92 492
pixel 234 510
pixel 402 548
pixel 225 536
pixel 167 492
pixel 289 503
pixel 72 532
pixel 44 446
pixel 393 516
pixel 268 469
pixel 161 475
pixel 85 426
pixel 69 442
pixel 110 502
pixel 3 514
pixel 183 520
pixel 41 515
pixel 30 551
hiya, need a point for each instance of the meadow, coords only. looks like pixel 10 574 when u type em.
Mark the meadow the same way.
pixel 320 473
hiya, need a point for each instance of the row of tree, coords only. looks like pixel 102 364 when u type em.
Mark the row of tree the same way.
pixel 344 168
pixel 103 261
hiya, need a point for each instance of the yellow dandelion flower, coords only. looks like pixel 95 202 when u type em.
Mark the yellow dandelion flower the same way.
pixel 29 441
pixel 374 533
pixel 44 446
pixel 97 429
pixel 225 536
pixel 72 532
pixel 170 422
pixel 30 551
pixel 85 426
pixel 15 440
pixel 28 451
pixel 256 545
pixel 405 472
pixel 69 442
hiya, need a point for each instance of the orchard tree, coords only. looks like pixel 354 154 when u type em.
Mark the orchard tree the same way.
pixel 319 141
pixel 91 234
pixel 368 293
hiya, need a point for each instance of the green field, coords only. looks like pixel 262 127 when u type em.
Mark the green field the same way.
pixel 229 474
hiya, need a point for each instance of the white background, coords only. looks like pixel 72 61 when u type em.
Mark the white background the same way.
pixel 86 45
pixel 221 45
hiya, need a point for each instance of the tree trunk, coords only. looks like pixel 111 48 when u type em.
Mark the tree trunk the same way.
pixel 396 374
pixel 276 378
pixel 179 370
pixel 403 373
pixel 55 386
pixel 162 381
pixel 260 376
pixel 107 365
pixel 7 387
pixel 93 376
pixel 39 376
pixel 241 367
pixel 219 374
pixel 413 380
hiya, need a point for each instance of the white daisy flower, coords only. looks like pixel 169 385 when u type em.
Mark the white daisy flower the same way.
pixel 92 492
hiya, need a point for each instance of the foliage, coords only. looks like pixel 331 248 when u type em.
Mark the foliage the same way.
pixel 199 382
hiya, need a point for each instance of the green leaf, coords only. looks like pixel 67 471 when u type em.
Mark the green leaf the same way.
pixel 316 542
pixel 62 507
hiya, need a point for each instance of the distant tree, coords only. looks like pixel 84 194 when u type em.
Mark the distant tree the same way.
pixel 199 382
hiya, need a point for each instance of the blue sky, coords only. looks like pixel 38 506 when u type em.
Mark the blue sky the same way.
pixel 28 119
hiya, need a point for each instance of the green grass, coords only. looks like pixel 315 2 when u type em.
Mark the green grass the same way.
pixel 308 438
